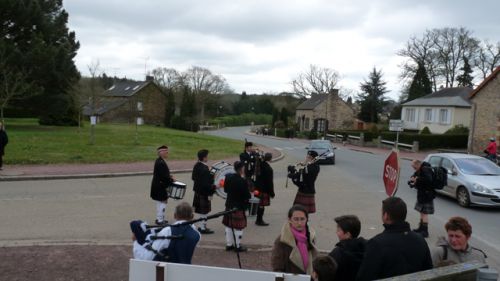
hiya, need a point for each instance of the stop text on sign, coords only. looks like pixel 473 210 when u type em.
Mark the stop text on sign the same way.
pixel 391 173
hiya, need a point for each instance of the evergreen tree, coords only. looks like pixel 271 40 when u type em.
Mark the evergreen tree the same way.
pixel 465 79
pixel 44 50
pixel 284 116
pixel 372 97
pixel 276 114
pixel 420 85
pixel 169 108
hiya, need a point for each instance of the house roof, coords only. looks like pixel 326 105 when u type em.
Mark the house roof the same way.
pixel 455 97
pixel 485 82
pixel 104 106
pixel 312 102
pixel 125 88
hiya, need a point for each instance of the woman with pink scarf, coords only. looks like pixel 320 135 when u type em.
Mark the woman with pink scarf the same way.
pixel 294 250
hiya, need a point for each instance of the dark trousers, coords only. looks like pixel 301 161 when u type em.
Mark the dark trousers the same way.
pixel 260 213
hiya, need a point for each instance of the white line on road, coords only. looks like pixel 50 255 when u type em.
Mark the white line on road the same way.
pixel 278 148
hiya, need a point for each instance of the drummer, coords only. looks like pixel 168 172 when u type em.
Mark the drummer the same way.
pixel 161 180
pixel 203 188
pixel 238 194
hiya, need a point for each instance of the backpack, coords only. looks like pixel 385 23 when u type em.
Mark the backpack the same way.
pixel 439 177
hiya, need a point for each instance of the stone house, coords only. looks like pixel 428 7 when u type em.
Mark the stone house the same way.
pixel 439 111
pixel 325 111
pixel 485 117
pixel 126 101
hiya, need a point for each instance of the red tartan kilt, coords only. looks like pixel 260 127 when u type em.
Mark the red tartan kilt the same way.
pixel 236 220
pixel 265 199
pixel 306 200
pixel 201 204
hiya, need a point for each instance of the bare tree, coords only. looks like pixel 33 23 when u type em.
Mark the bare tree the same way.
pixel 168 78
pixel 203 84
pixel 95 72
pixel 315 80
pixel 488 58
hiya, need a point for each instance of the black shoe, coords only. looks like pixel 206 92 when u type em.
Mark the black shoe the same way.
pixel 229 248
pixel 241 248
pixel 205 231
pixel 165 222
pixel 261 223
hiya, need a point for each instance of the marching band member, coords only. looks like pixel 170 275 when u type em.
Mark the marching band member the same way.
pixel 265 187
pixel 161 180
pixel 305 181
pixel 178 248
pixel 248 158
pixel 238 194
pixel 203 189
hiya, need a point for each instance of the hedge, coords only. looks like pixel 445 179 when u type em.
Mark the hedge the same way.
pixel 429 141
pixel 243 119
pixel 369 136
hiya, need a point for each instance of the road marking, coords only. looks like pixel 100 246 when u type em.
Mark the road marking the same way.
pixel 288 148
pixel 278 148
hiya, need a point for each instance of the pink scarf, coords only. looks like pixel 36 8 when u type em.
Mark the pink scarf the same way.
pixel 301 239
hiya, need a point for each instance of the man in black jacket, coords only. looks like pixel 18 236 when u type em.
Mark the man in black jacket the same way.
pixel 305 180
pixel 248 158
pixel 161 180
pixel 203 189
pixel 397 250
pixel 348 252
pixel 265 186
pixel 236 188
pixel 422 181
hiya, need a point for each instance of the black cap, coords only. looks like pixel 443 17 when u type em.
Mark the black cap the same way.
pixel 238 165
pixel 162 147
pixel 312 153
pixel 202 154
pixel 248 143
pixel 268 156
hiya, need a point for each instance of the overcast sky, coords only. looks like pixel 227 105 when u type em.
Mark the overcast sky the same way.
pixel 259 46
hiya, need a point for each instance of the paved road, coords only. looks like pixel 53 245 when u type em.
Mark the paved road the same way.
pixel 97 211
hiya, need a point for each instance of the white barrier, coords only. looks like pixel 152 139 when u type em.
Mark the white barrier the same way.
pixel 140 270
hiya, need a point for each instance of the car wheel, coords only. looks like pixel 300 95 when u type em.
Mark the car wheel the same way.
pixel 463 197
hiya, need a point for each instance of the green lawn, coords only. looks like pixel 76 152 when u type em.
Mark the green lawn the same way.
pixel 30 143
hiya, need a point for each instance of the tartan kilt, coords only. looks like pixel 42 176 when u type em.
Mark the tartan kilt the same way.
pixel 236 220
pixel 306 200
pixel 201 204
pixel 265 199
pixel 425 208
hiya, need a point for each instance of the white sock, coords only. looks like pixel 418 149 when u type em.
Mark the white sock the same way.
pixel 160 211
pixel 229 237
pixel 239 235
pixel 203 222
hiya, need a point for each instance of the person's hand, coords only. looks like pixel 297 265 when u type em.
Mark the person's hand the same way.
pixel 173 178
pixel 133 237
pixel 210 198
pixel 272 195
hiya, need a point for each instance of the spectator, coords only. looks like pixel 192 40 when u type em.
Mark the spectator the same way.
pixel 457 248
pixel 491 150
pixel 422 181
pixel 179 250
pixel 397 250
pixel 348 252
pixel 3 143
pixel 294 250
pixel 324 269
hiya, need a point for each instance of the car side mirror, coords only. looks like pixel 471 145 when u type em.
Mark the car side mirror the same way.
pixel 453 172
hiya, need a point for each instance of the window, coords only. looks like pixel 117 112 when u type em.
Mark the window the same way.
pixel 306 124
pixel 410 115
pixel 135 88
pixel 447 164
pixel 321 125
pixel 444 116
pixel 428 115
pixel 434 161
pixel 128 87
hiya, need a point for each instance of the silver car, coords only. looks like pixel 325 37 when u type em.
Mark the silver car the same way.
pixel 472 180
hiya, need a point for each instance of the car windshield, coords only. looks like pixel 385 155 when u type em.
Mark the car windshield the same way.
pixel 478 167
pixel 320 145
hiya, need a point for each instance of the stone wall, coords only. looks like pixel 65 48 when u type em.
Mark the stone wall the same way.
pixel 485 121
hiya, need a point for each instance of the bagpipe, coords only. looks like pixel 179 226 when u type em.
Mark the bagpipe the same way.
pixel 296 172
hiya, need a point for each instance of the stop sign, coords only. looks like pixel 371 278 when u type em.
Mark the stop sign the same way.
pixel 390 174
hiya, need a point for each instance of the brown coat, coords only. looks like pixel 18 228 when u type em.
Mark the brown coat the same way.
pixel 286 256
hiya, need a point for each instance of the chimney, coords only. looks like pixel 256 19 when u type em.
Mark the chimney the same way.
pixel 149 78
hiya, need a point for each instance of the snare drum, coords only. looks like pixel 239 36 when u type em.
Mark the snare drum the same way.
pixel 253 206
pixel 176 190
pixel 219 170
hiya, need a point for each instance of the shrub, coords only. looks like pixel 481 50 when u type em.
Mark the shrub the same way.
pixel 458 130
pixel 429 141
pixel 425 131
pixel 313 135
pixel 243 119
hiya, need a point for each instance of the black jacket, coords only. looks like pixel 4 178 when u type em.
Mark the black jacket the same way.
pixel 423 184
pixel 249 161
pixel 161 180
pixel 348 254
pixel 309 175
pixel 203 179
pixel 237 192
pixel 264 182
pixel 4 140
pixel 395 251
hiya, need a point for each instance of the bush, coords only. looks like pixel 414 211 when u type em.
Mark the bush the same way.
pixel 431 141
pixel 425 131
pixel 244 119
pixel 313 135
pixel 185 124
pixel 458 130
pixel 369 135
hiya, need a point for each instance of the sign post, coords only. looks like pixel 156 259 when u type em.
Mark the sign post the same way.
pixel 396 125
pixel 390 175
